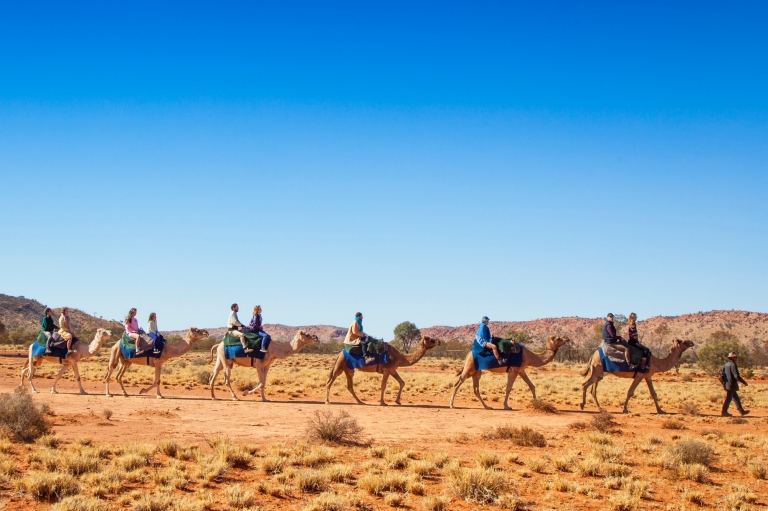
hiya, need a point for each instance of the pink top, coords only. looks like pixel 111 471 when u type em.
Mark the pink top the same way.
pixel 133 326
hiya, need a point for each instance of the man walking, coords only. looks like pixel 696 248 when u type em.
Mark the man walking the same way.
pixel 731 379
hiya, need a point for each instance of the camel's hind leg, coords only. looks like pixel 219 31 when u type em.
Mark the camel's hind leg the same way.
pixel 511 376
pixel 400 381
pixel 649 382
pixel 111 365
pixel 119 376
pixel 384 378
pixel 588 383
pixel 631 392
pixel 349 373
pixel 228 379
pixel 527 380
pixel 594 395
pixel 62 369
pixel 216 370
pixel 476 388
pixel 456 386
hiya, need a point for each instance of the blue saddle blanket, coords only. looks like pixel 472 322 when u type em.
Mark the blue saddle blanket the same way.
pixel 129 354
pixel 485 360
pixel 237 351
pixel 356 361
pixel 38 350
pixel 612 366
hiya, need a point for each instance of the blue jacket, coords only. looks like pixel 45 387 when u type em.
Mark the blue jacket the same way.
pixel 482 336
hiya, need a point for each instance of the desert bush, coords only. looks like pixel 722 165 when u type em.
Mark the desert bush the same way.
pixel 238 497
pixel 231 454
pixel 338 428
pixel 672 423
pixel 378 451
pixel 757 470
pixel 688 450
pixel 599 438
pixel 693 496
pixel 478 485
pixel 415 487
pixel 624 501
pixel 689 408
pixel 438 458
pixel 510 502
pixel 523 436
pixel 422 468
pixel 203 376
pixel 310 481
pixel 273 464
pixel 21 417
pixel 608 453
pixel 541 406
pixel 536 464
pixel 211 469
pixel 103 483
pixel 48 485
pixel 154 502
pixel 394 500
pixel 335 502
pixel 434 503
pixel 566 462
pixel 486 459
pixel 590 467
pixel 171 477
pixel 339 473
pixel 50 441
pixel 562 485
pixel 376 484
pixel 603 422
pixel 692 471
pixel 712 356
pixel 132 461
pixel 316 456
pixel 106 413
pixel 80 503
pixel 397 460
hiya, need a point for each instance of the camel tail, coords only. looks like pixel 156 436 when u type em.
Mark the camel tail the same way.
pixel 213 348
pixel 587 369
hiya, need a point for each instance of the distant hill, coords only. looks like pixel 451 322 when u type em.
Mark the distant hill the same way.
pixel 282 333
pixel 20 312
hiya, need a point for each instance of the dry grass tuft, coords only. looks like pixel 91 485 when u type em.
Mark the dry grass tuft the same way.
pixel 50 441
pixel 238 497
pixel 541 406
pixel 106 413
pixel 80 503
pixel 310 481
pixel 687 451
pixel 757 470
pixel 394 500
pixel 434 503
pixel 523 436
pixel 690 408
pixel 335 502
pixel 376 484
pixel 273 464
pixel 21 417
pixel 673 423
pixel 339 473
pixel 422 468
pixel 339 428
pixel 566 462
pixel 154 502
pixel 478 485
pixel 487 459
pixel 692 471
pixel 48 485
pixel 603 422
pixel 562 485
pixel 537 464
pixel 231 454
pixel 693 496
pixel 397 460
pixel 510 502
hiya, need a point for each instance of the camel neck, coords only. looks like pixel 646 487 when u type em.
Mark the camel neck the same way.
pixel 415 356
pixel 665 364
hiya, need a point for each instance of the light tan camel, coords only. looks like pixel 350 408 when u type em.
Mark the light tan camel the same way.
pixel 274 352
pixel 395 360
pixel 170 351
pixel 594 373
pixel 530 359
pixel 82 351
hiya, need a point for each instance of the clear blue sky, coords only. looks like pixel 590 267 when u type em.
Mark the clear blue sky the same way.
pixel 432 162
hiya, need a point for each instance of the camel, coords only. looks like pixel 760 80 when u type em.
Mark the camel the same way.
pixel 274 352
pixel 594 373
pixel 170 351
pixel 395 360
pixel 530 359
pixel 82 351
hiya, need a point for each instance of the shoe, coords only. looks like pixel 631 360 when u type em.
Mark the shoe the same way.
pixel 71 352
pixel 248 350
pixel 263 350
pixel 156 352
pixel 369 360
pixel 726 414
pixel 744 412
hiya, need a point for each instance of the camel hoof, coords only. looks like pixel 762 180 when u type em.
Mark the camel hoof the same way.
pixel 159 397
pixel 661 412
pixel 398 402
pixel 625 411
pixel 53 391
pixel 383 404
pixel 108 395
pixel 582 406
pixel 142 392
pixel 35 391
pixel 507 408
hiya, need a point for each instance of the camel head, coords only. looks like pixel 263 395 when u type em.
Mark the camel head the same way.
pixel 677 344
pixel 195 334
pixel 555 342
pixel 429 342
pixel 102 335
pixel 301 339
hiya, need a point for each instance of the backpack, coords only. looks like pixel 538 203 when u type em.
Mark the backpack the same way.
pixel 723 377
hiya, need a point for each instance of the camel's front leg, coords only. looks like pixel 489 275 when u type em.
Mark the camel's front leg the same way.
pixel 476 388
pixel 511 376
pixel 631 392
pixel 400 381
pixel 228 379
pixel 649 382
pixel 335 372
pixel 384 378
pixel 62 369
pixel 456 387
pixel 156 384
pixel 594 395
pixel 76 370
pixel 527 380
pixel 262 372
pixel 350 387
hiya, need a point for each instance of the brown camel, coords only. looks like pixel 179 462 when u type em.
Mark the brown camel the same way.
pixel 395 359
pixel 274 352
pixel 594 373
pixel 169 351
pixel 530 359
pixel 82 351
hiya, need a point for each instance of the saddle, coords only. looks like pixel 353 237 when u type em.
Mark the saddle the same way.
pixel 506 346
pixel 374 347
pixel 59 342
pixel 617 356
pixel 252 340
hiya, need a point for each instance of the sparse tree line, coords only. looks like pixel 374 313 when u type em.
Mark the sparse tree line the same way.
pixel 709 355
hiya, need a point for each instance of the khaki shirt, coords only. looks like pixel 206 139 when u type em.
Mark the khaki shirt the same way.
pixel 64 325
pixel 354 334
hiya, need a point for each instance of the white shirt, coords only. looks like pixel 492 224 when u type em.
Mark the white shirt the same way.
pixel 152 327
pixel 233 321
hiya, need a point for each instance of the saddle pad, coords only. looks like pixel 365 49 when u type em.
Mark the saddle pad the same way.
pixel 356 361
pixel 127 342
pixel 128 349
pixel 485 360
pixel 39 351
pixel 611 366
pixel 252 340
pixel 231 352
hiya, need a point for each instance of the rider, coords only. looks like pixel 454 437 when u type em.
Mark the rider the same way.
pixel 615 341
pixel 257 328
pixel 48 328
pixel 483 338
pixel 153 332
pixel 234 327
pixel 65 329
pixel 356 337
pixel 633 340
pixel 131 325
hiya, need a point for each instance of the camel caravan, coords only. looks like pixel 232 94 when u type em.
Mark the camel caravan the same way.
pixel 250 346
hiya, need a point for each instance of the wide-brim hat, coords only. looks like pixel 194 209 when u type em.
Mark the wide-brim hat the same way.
pixel 733 355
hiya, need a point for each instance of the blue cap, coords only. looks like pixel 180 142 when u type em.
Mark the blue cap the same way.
pixel 610 314
pixel 485 318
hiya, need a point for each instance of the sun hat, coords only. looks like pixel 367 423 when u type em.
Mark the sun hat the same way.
pixel 732 355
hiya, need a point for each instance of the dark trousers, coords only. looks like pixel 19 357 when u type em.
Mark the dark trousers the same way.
pixel 364 347
pixel 732 396
pixel 265 340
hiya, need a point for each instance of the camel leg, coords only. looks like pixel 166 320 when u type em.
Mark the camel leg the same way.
pixel 400 381
pixel 228 380
pixel 384 378
pixel 262 372
pixel 456 387
pixel 350 387
pixel 649 382
pixel 594 395
pixel 586 386
pixel 62 369
pixel 76 370
pixel 119 376
pixel 631 392
pixel 476 388
pixel 216 370
pixel 511 376
pixel 527 380
pixel 335 372
pixel 110 367
pixel 156 383
pixel 31 375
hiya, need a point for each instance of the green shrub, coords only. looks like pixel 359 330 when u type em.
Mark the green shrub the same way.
pixel 20 416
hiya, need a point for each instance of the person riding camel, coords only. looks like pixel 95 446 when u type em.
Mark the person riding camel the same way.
pixel 616 341
pixel 256 327
pixel 634 341
pixel 153 332
pixel 131 325
pixel 234 327
pixel 484 340
pixel 65 329
pixel 356 337
pixel 48 327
